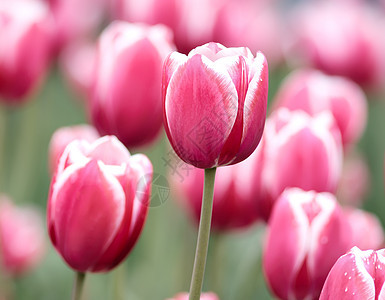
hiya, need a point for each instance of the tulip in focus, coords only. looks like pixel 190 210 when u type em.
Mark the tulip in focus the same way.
pixel 366 229
pixel 340 38
pixel 307 233
pixel 25 47
pixel 98 203
pixel 356 275
pixel 63 136
pixel 298 150
pixel 235 191
pixel 214 104
pixel 22 234
pixel 204 296
pixel 315 92
pixel 126 97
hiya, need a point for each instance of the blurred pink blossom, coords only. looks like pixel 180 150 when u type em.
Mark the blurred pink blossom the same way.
pixel 25 47
pixel 21 237
pixel 204 296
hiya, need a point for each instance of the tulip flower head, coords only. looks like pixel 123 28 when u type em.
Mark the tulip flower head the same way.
pixel 126 96
pixel 22 242
pixel 23 23
pixel 315 92
pixel 214 104
pixel 356 275
pixel 307 233
pixel 98 203
pixel 294 145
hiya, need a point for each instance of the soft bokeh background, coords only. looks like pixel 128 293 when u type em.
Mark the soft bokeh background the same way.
pixel 161 263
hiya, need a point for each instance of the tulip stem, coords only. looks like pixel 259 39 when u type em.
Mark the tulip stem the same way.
pixel 78 285
pixel 203 236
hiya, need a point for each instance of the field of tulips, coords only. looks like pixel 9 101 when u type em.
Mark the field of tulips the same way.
pixel 186 150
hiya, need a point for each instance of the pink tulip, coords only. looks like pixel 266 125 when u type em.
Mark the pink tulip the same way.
pixel 214 104
pixel 77 62
pixel 126 97
pixel 237 22
pixel 366 228
pixel 204 296
pixel 63 136
pixel 340 38
pixel 356 275
pixel 98 203
pixel 76 20
pixel 293 147
pixel 355 180
pixel 315 92
pixel 307 233
pixel 21 238
pixel 235 191
pixel 25 45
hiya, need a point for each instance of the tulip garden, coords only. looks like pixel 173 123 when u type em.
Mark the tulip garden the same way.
pixel 186 150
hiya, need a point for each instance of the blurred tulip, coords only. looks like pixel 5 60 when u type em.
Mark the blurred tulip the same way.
pixel 357 275
pixel 315 92
pixel 98 203
pixel 307 233
pixel 235 193
pixel 76 20
pixel 191 21
pixel 355 180
pixel 366 228
pixel 65 135
pixel 214 104
pixel 340 38
pixel 237 22
pixel 204 296
pixel 77 62
pixel 25 46
pixel 126 98
pixel 21 238
pixel 293 147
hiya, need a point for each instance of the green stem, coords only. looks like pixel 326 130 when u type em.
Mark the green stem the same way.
pixel 203 236
pixel 78 285
pixel 3 126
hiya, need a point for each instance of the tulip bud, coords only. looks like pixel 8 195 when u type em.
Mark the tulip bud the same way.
pixel 306 235
pixel 356 275
pixel 126 97
pixel 235 190
pixel 367 232
pixel 214 104
pixel 63 136
pixel 204 296
pixel 294 146
pixel 21 238
pixel 98 203
pixel 315 92
pixel 25 45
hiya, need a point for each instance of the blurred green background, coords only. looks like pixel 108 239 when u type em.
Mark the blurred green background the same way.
pixel 161 263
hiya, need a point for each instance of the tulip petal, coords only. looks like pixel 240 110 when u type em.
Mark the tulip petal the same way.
pixel 96 205
pixel 349 278
pixel 254 112
pixel 196 107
